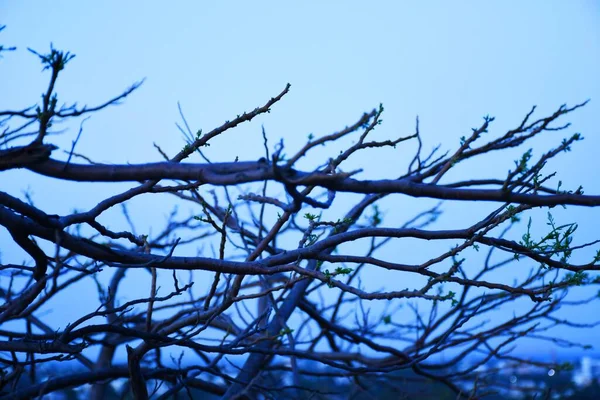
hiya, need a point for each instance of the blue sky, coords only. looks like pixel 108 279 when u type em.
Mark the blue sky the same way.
pixel 450 63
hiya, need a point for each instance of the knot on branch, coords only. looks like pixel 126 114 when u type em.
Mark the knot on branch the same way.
pixel 21 156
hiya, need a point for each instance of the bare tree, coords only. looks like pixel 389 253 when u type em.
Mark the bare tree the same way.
pixel 282 299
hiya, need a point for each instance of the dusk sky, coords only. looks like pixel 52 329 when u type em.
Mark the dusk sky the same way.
pixel 449 63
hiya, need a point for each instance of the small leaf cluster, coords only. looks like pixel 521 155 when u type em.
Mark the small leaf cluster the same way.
pixel 556 242
pixel 338 271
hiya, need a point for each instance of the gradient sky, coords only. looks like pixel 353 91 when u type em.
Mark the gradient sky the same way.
pixel 450 63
